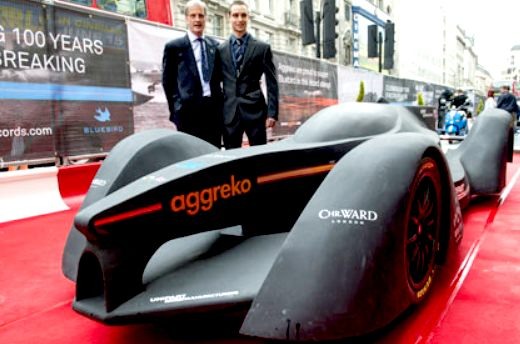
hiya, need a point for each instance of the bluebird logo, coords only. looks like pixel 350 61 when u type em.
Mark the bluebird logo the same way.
pixel 102 115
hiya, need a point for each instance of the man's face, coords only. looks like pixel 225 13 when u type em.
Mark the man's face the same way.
pixel 239 17
pixel 196 20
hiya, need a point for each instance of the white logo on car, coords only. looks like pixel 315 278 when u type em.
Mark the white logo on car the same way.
pixel 185 297
pixel 348 216
pixel 99 182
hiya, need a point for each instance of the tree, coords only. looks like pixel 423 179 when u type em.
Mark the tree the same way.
pixel 420 99
pixel 361 93
pixel 480 107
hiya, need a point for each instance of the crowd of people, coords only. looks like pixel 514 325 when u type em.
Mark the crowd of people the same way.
pixel 506 101
pixel 214 90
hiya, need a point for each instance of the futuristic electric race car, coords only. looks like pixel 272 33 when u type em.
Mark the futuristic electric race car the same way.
pixel 330 233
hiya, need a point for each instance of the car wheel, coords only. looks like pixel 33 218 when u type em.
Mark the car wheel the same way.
pixel 422 228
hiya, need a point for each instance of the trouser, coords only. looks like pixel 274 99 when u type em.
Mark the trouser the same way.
pixel 254 129
pixel 513 119
pixel 203 121
pixel 440 120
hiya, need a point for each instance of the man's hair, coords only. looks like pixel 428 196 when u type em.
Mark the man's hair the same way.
pixel 238 3
pixel 506 87
pixel 193 3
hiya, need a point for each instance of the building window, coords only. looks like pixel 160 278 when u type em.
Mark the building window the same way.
pixel 135 8
pixel 82 2
pixel 218 25
pixel 347 11
pixel 256 32
pixel 292 6
pixel 269 37
pixel 381 5
pixel 291 43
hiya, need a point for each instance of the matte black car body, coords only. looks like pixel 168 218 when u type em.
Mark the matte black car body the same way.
pixel 331 233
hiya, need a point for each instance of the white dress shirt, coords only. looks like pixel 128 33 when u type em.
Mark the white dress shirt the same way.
pixel 195 46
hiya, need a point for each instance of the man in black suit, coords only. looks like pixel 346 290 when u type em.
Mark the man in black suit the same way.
pixel 244 61
pixel 507 101
pixel 191 79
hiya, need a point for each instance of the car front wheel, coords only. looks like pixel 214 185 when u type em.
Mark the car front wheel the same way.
pixel 422 228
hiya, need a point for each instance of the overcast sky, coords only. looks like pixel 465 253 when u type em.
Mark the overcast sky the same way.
pixel 496 27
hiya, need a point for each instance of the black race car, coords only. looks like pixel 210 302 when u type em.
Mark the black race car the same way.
pixel 330 233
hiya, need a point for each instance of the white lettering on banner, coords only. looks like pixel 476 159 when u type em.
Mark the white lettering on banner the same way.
pixel 103 130
pixel 26 38
pixel 22 132
pixel 59 41
pixel 2 34
pixel 24 60
pixel 293 75
pixel 348 216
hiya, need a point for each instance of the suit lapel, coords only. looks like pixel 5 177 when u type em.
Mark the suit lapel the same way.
pixel 250 49
pixel 210 51
pixel 226 54
pixel 190 56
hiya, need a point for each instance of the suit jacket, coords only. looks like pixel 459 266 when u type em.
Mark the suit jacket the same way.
pixel 180 78
pixel 507 101
pixel 242 93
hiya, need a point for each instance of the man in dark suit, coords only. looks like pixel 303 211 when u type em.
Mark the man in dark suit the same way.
pixel 507 101
pixel 191 79
pixel 244 61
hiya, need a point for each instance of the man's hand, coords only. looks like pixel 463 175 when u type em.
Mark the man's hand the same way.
pixel 270 122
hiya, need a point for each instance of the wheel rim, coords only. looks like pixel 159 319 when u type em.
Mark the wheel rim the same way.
pixel 422 233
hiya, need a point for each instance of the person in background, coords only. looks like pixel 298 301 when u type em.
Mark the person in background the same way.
pixel 459 98
pixel 191 80
pixel 507 101
pixel 244 60
pixel 444 104
pixel 490 100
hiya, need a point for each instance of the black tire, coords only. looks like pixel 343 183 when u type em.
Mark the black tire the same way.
pixel 422 231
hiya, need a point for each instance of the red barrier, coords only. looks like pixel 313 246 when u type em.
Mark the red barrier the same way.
pixel 74 182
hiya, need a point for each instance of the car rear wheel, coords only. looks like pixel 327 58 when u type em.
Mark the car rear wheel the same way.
pixel 422 228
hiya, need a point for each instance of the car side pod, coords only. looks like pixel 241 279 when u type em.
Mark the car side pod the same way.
pixel 485 151
pixel 343 269
pixel 131 159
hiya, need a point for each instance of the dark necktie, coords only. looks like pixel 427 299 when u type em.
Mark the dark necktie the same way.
pixel 203 60
pixel 238 52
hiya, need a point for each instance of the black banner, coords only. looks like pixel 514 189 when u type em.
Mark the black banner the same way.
pixel 306 86
pixel 405 91
pixel 61 71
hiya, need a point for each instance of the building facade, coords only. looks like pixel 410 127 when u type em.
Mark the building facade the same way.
pixel 429 45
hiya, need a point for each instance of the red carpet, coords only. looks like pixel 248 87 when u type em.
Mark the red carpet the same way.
pixel 486 308
pixel 474 299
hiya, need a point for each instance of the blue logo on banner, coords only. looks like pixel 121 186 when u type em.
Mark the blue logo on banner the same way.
pixel 102 115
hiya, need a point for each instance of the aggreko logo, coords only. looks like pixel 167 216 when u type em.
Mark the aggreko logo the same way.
pixel 204 199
